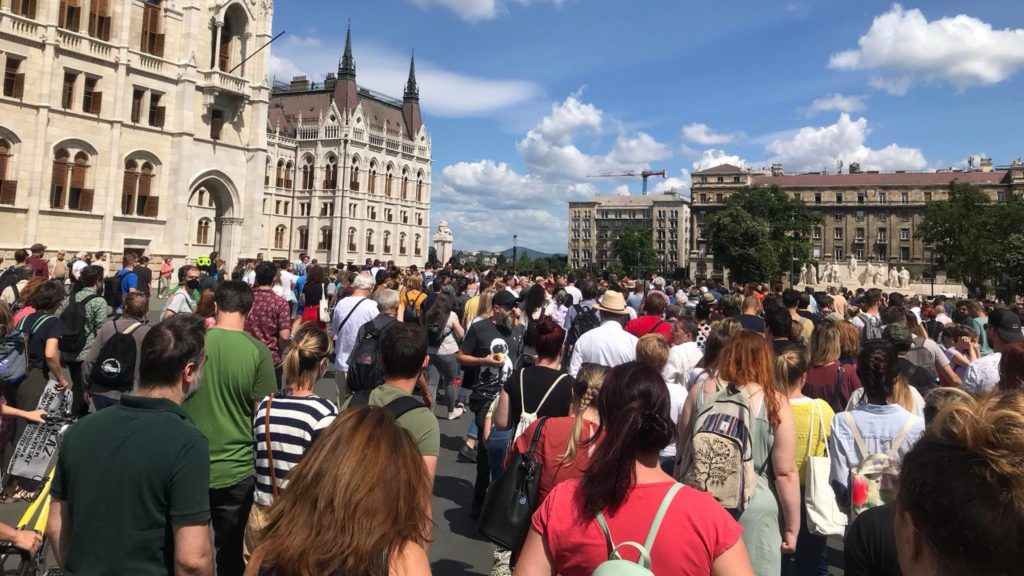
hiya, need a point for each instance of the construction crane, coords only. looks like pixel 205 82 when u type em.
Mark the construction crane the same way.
pixel 645 174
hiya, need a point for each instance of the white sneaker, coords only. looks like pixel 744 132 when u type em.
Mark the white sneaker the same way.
pixel 455 414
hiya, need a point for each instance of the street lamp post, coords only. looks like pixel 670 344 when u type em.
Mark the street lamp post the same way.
pixel 515 252
pixel 933 271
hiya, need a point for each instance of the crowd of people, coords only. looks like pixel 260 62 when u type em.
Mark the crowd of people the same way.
pixel 697 420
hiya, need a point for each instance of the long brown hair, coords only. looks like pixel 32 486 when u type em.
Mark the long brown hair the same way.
pixel 343 513
pixel 747 359
pixel 205 307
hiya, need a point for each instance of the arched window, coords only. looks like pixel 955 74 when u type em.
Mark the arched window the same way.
pixel 402 249
pixel 416 245
pixel 308 174
pixel 331 173
pixel 279 181
pixel 138 196
pixel 266 174
pixel 419 189
pixel 201 198
pixel 303 238
pixel 387 182
pixel 387 242
pixel 369 241
pixel 68 187
pixel 352 240
pixel 289 173
pixel 8 184
pixel 203 231
pixel 279 234
pixel 231 37
pixel 353 179
pixel 326 238
pixel 371 187
pixel 405 184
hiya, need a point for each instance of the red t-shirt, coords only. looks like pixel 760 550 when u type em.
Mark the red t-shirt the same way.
pixel 695 531
pixel 821 383
pixel 644 325
pixel 554 438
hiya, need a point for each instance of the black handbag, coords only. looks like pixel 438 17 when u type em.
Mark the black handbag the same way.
pixel 512 499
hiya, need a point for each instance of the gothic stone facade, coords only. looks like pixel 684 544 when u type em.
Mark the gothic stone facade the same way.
pixel 347 171
pixel 133 125
pixel 872 216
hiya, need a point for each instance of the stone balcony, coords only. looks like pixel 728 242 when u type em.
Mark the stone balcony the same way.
pixel 217 82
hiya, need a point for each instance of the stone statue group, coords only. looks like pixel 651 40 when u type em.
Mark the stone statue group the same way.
pixel 867 275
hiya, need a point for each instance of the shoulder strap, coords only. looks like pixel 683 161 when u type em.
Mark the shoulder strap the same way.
pixel 861 448
pixel 135 327
pixel 901 437
pixel 839 382
pixel 360 398
pixel 536 436
pixel 350 312
pixel 402 405
pixel 821 424
pixel 662 510
pixel 656 326
pixel 522 394
pixel 810 426
pixel 270 453
pixel 88 299
pixel 546 394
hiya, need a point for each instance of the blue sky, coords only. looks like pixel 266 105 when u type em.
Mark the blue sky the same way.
pixel 524 98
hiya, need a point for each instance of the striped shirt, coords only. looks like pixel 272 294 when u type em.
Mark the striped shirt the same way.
pixel 294 423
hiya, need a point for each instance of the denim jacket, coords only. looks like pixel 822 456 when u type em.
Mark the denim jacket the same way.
pixel 878 426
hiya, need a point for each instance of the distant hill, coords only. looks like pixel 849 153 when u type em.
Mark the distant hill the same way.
pixel 523 250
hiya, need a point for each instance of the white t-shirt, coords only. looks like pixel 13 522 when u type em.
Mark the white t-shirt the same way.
pixel 362 311
pixel 78 266
pixel 287 283
pixel 573 291
pixel 250 277
pixel 181 302
pixel 677 398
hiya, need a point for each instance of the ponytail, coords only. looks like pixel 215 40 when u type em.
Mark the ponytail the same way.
pixel 592 377
pixel 310 346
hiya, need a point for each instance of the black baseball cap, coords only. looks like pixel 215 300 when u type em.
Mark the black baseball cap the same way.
pixel 1007 324
pixel 504 298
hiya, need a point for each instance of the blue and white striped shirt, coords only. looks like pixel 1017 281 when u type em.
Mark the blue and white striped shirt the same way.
pixel 295 423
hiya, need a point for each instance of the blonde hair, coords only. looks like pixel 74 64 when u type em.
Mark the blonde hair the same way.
pixel 901 393
pixel 651 349
pixel 593 376
pixel 790 367
pixel 825 344
pixel 310 346
pixel 483 307
pixel 413 282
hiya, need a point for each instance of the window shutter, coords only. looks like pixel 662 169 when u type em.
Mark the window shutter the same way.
pixel 152 207
pixel 8 191
pixel 128 193
pixel 216 125
pixel 85 200
pixel 31 8
pixel 57 186
pixel 158 116
pixel 158 47
pixel 96 104
pixel 19 86
pixel 136 109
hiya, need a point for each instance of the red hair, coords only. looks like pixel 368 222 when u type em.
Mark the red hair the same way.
pixel 1011 368
pixel 748 359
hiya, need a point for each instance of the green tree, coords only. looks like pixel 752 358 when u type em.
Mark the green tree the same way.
pixel 967 234
pixel 501 261
pixel 757 230
pixel 524 265
pixel 635 250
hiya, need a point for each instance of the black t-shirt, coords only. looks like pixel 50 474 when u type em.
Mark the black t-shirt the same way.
pixel 751 322
pixel 38 331
pixel 870 547
pixel 483 339
pixel 537 380
pixel 145 279
pixel 312 293
pixel 916 376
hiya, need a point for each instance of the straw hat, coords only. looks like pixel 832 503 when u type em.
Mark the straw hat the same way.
pixel 612 302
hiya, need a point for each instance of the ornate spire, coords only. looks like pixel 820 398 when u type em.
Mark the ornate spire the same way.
pixel 348 64
pixel 412 91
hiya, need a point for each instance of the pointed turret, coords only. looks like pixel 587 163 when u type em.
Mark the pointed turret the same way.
pixel 411 102
pixel 412 91
pixel 345 89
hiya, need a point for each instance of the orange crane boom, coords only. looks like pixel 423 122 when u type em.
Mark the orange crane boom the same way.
pixel 645 174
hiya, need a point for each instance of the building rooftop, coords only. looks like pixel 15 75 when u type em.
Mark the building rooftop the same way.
pixel 881 179
pixel 618 201
pixel 723 169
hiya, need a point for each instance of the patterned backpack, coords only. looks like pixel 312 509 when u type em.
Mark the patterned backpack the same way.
pixel 873 482
pixel 720 457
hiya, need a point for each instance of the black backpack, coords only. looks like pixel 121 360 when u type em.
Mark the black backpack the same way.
pixel 397 407
pixel 115 366
pixel 410 309
pixel 74 335
pixel 436 334
pixel 112 291
pixel 586 320
pixel 10 279
pixel 364 372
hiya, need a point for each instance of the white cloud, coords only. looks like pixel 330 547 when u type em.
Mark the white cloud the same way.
pixel 680 185
pixel 443 92
pixel 907 48
pixel 304 41
pixel 838 102
pixel 814 148
pixel 622 190
pixel 703 135
pixel 477 10
pixel 714 157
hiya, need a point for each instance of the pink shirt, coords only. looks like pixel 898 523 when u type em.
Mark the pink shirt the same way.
pixel 696 530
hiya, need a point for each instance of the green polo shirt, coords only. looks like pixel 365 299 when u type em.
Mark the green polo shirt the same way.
pixel 238 374
pixel 128 474
pixel 420 423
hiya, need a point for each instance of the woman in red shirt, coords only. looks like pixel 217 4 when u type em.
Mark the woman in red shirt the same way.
pixel 625 483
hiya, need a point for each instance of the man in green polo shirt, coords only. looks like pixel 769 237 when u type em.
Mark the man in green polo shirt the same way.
pixel 130 490
pixel 239 373
pixel 403 359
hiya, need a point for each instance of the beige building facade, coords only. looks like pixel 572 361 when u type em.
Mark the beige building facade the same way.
pixel 594 226
pixel 118 116
pixel 867 215
pixel 347 171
